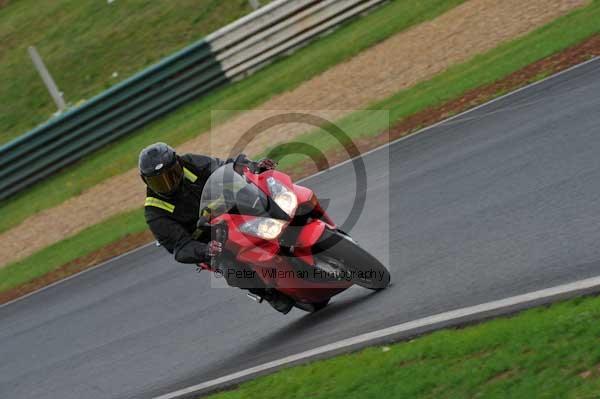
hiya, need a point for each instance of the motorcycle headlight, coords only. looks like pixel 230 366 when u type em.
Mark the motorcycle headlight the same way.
pixel 265 228
pixel 283 197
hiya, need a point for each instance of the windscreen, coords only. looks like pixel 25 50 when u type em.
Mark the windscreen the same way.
pixel 226 191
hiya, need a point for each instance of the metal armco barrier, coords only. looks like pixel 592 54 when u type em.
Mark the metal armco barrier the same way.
pixel 225 55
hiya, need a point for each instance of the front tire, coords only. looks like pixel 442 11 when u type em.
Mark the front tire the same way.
pixel 339 251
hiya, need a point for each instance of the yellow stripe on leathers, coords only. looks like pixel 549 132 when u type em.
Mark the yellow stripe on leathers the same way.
pixel 189 175
pixel 155 202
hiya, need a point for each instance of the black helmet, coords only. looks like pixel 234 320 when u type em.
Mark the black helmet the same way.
pixel 160 168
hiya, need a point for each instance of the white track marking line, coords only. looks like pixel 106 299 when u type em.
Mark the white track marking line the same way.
pixel 363 339
pixel 346 161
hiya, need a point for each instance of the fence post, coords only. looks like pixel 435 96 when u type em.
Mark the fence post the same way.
pixel 255 4
pixel 47 78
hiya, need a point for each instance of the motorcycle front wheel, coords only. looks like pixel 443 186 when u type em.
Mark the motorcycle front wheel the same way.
pixel 337 253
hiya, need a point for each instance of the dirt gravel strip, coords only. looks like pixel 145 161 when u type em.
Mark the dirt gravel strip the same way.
pixel 395 64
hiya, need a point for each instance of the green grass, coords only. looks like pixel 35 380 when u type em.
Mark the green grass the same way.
pixel 483 69
pixel 487 68
pixel 189 121
pixel 541 353
pixel 84 42
pixel 54 256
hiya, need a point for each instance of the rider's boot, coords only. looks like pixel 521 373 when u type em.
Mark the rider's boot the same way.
pixel 280 302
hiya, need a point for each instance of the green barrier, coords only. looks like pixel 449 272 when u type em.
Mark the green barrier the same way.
pixel 231 52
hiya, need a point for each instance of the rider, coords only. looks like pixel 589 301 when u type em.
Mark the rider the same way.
pixel 172 208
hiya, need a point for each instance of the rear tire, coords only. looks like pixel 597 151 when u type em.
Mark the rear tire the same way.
pixel 362 268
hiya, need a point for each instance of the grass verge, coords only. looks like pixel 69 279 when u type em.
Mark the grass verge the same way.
pixel 541 353
pixel 450 85
pixel 84 42
pixel 54 256
pixel 188 121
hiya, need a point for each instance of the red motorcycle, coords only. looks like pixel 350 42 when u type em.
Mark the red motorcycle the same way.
pixel 280 231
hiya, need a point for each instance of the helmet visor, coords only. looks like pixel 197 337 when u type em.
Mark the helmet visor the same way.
pixel 167 181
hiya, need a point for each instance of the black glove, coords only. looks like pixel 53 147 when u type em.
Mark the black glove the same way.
pixel 214 248
pixel 265 164
pixel 240 162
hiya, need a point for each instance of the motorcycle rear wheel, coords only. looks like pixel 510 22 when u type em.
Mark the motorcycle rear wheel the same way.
pixel 340 251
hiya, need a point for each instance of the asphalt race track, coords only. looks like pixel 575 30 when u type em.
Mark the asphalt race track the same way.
pixel 497 202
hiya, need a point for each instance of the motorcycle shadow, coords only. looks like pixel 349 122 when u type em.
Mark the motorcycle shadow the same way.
pixel 280 342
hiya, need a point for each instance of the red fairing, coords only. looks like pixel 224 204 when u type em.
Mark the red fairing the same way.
pixel 275 270
pixel 308 237
pixel 261 180
pixel 265 256
pixel 304 194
